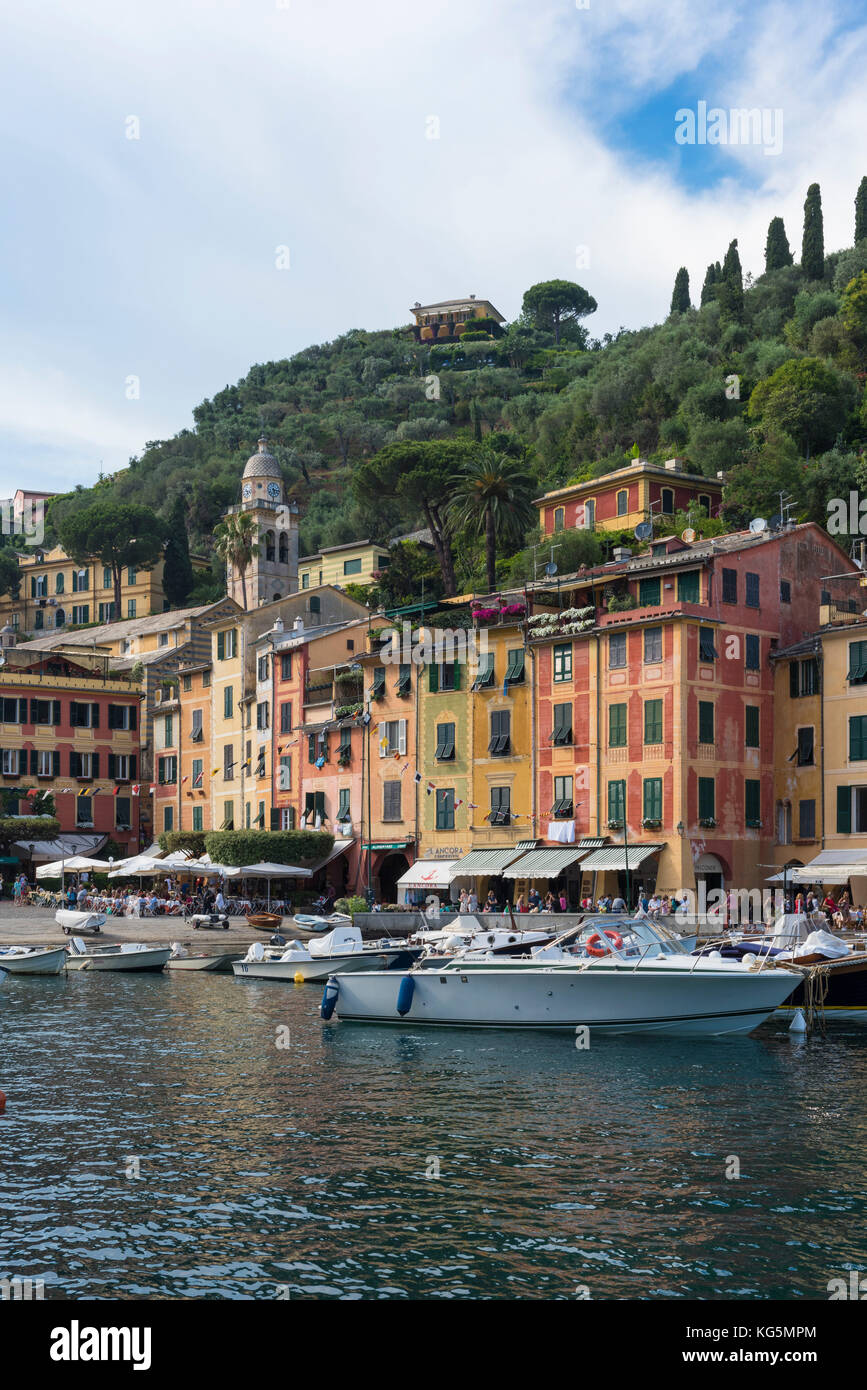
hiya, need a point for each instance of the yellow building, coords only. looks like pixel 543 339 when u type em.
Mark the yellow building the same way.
pixel 55 593
pixel 451 318
pixel 355 563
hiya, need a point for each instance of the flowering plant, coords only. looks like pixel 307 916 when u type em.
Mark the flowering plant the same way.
pixel 513 610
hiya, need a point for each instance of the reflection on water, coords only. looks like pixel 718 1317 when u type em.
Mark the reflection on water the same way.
pixel 307 1167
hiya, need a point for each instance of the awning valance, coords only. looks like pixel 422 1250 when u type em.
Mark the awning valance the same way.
pixel 545 863
pixel 614 857
pixel 428 873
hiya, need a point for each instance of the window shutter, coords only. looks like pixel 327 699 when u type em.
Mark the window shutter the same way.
pixel 55 712
pixel 221 646
pixel 33 704
pixel 22 763
pixel 456 668
pixel 132 767
pixel 94 716
pixel 112 767
pixel 433 673
pixel 22 711
pixel 95 764
pixel 133 716
pixel 794 691
pixel 34 762
pixel 55 763
pixel 844 810
pixel 401 736
pixel 275 818
pixel 74 764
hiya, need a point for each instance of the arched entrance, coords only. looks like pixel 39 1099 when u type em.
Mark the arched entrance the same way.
pixel 710 871
pixel 393 867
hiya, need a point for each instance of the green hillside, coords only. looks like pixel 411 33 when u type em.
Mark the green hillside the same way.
pixel 763 382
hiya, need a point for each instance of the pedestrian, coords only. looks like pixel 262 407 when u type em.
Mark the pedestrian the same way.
pixel 564 903
pixel 473 900
pixel 464 901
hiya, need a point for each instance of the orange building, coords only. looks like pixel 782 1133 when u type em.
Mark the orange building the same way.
pixel 619 501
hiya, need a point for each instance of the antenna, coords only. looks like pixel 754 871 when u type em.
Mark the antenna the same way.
pixel 758 525
pixel 643 531
pixel 550 566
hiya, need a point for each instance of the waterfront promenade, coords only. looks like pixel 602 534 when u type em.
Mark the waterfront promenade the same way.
pixel 31 926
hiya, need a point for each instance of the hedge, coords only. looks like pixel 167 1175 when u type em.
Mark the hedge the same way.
pixel 193 841
pixel 24 828
pixel 240 847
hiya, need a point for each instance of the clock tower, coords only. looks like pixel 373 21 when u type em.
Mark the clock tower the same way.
pixel 273 573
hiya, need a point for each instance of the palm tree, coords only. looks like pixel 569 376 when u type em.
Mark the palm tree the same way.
pixel 236 544
pixel 493 496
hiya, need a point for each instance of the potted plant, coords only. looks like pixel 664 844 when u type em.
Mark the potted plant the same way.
pixel 707 822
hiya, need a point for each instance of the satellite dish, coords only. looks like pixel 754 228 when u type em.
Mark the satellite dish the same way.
pixel 777 522
pixel 643 531
pixel 758 525
pixel 688 535
pixel 551 568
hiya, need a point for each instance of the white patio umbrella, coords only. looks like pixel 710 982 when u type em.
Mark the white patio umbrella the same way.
pixel 269 871
pixel 73 865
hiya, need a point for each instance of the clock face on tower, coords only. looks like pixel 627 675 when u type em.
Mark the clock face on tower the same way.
pixel 274 491
pixel 247 490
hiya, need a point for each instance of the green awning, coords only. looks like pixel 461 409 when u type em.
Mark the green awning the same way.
pixel 485 861
pixel 614 857
pixel 545 863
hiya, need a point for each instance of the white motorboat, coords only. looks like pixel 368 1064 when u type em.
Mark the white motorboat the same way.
pixel 33 960
pixel 610 974
pixel 217 961
pixel 130 956
pixel 72 921
pixel 341 950
pixel 466 933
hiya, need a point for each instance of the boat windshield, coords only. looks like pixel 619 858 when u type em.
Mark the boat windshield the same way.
pixel 626 938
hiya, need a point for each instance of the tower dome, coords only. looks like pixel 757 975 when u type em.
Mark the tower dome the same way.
pixel 262 464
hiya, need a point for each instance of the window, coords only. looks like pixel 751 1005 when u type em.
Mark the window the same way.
pixel 563 661
pixel 392 738
pixel 206 679
pixel 305 580
pixel 810 676
pixel 132 575
pixel 616 650
pixel 706 799
pixel 445 808
pixel 589 514
pixel 667 498
pixel 286 718
pixel 616 726
pixel 706 649
pixel 752 660
pixel 198 773
pixel 752 803
pixel 858 738
pixel 106 615
pixel 168 818
pixel 270 547
pixel 515 666
pixel 228 815
pixel 562 808
pixel 391 801
pixel 81 613
pixel 84 766
pixel 729 586
pixel 286 666
pixel 653 721
pixel 805 747
pixel 786 597
pixel 284 775
pixel 42 762
pixel 445 749
pixel 227 644
pixel 12 762
pixel 122 813
pixel 122 716
pixel 751 726
pixel 622 502
pixel 228 702
pixel 344 747
pixel 752 594
pixel 377 690
pixel 84 810
pixel 263 714
pixel 187 682
pixel 45 712
pixel 198 818
pixel 652 799
pixel 857 663
pixel 262 668
pixel 314 807
pixel 652 644
pixel 561 734
pixel 485 672
pixel 806 820
pixel 705 721
pixel 559 518
pixel 83 716
pixel 352 567
pixel 704 502
pixel 404 679
pixel 39 619
pixel 59 582
pixel 689 587
pixel 130 608
pixel 106 577
pixel 13 711
pixel 80 580
pixel 121 767
pixel 343 811
pixel 499 743
pixel 501 806
pixel 228 762
pixel 449 676
pixel 169 732
pixel 616 803
pixel 649 593
pixel 167 770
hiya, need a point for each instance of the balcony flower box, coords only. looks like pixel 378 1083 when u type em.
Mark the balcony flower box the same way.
pixel 707 822
pixel 651 824
pixel 513 610
pixel 485 615
pixel 615 825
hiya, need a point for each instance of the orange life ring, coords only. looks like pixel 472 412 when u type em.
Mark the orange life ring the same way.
pixel 603 950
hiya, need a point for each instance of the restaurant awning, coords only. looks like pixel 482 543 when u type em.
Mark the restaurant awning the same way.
pixel 614 857
pixel 545 863
pixel 428 873
pixel 485 861
pixel 831 866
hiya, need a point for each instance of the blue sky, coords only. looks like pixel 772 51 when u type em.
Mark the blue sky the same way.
pixel 273 123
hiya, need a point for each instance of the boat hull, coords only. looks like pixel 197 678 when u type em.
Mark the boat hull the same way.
pixel 38 963
pixel 308 969
pixel 130 962
pixel 221 963
pixel 607 999
pixel 847 989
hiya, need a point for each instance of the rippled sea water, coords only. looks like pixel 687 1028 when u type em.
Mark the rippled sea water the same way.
pixel 308 1168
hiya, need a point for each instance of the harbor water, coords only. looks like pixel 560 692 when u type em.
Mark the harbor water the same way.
pixel 197 1136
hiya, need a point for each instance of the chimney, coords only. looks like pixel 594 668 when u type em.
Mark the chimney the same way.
pixel 278 624
pixel 298 625
pixel 621 552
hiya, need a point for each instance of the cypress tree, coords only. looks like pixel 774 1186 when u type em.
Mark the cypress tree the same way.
pixel 731 291
pixel 777 252
pixel 680 295
pixel 712 277
pixel 178 571
pixel 861 211
pixel 813 247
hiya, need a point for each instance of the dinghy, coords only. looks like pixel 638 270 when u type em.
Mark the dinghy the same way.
pixel 33 960
pixel 131 956
pixel 217 961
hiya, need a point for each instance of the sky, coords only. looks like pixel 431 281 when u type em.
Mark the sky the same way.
pixel 197 186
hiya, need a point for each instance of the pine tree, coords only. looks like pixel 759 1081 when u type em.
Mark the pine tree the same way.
pixel 777 252
pixel 178 572
pixel 861 211
pixel 712 277
pixel 731 291
pixel 680 295
pixel 813 247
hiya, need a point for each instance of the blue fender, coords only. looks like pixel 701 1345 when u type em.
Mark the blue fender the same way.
pixel 404 995
pixel 329 998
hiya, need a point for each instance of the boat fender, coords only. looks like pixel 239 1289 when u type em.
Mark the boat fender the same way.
pixel 298 978
pixel 404 995
pixel 329 997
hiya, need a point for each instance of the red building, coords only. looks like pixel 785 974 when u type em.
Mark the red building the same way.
pixel 620 500
pixel 71 729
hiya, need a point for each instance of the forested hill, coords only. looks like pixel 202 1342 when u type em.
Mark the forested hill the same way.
pixel 762 381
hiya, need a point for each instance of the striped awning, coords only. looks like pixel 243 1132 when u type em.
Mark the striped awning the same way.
pixel 485 861
pixel 615 857
pixel 545 863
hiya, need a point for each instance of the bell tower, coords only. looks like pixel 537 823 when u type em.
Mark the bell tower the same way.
pixel 273 573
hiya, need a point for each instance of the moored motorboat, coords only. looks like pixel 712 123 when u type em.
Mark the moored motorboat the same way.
pixel 833 970
pixel 610 974
pixel 466 933
pixel 341 950
pixel 33 960
pixel 216 961
pixel 128 957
